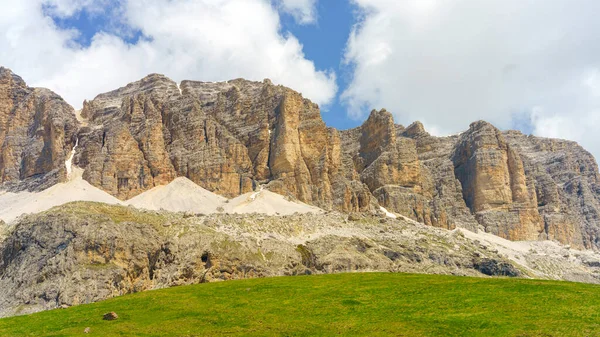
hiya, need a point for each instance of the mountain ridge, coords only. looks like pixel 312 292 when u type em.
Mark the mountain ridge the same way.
pixel 232 137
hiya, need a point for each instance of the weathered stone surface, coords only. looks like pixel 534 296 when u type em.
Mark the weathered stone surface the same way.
pixel 408 171
pixel 440 185
pixel 567 186
pixel 493 267
pixel 227 137
pixel 86 252
pixel 37 133
pixel 385 159
pixel 230 137
pixel 495 187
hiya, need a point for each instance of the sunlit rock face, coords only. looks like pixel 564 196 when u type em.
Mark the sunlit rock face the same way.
pixel 232 137
pixel 37 133
pixel 227 137
pixel 494 183
pixel 567 187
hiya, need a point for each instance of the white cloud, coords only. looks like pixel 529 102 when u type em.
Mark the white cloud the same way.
pixel 448 63
pixel 67 8
pixel 211 40
pixel 304 11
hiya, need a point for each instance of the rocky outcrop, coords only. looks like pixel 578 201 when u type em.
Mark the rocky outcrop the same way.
pixel 232 137
pixel 494 184
pixel 567 187
pixel 227 137
pixel 384 159
pixel 37 132
pixel 441 187
pixel 404 174
pixel 86 252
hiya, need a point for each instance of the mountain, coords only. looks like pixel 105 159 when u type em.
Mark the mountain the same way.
pixel 226 137
pixel 379 197
pixel 232 137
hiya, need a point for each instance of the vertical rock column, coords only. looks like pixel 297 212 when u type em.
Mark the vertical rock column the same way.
pixel 494 184
pixel 37 132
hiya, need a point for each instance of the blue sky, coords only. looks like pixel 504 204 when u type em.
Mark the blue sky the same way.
pixel 527 65
pixel 324 43
pixel 88 23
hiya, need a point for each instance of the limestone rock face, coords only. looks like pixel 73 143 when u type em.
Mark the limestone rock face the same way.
pixel 227 137
pixel 567 187
pixel 387 159
pixel 441 190
pixel 408 171
pixel 495 187
pixel 37 132
pixel 232 137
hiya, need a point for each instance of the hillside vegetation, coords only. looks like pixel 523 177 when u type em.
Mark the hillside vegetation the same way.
pixel 373 304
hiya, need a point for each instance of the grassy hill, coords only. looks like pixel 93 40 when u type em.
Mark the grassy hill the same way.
pixel 375 304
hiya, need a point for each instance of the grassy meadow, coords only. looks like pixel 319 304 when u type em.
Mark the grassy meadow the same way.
pixel 371 304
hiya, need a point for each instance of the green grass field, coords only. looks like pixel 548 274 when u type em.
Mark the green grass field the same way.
pixel 375 304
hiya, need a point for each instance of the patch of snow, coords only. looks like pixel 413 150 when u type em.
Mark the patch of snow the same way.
pixel 255 194
pixel 179 87
pixel 69 162
pixel 388 214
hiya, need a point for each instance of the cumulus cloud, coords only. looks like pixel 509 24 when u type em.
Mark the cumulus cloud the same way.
pixel 448 63
pixel 67 8
pixel 211 40
pixel 304 11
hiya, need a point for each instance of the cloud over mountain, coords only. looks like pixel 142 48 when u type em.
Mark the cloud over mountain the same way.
pixel 533 65
pixel 184 39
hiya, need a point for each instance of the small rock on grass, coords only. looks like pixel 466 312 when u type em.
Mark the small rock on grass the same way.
pixel 111 316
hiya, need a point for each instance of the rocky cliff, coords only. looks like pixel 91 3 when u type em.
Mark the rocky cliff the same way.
pixel 232 137
pixel 37 132
pixel 226 137
pixel 566 183
pixel 494 183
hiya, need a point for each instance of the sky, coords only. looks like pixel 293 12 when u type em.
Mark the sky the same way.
pixel 531 65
